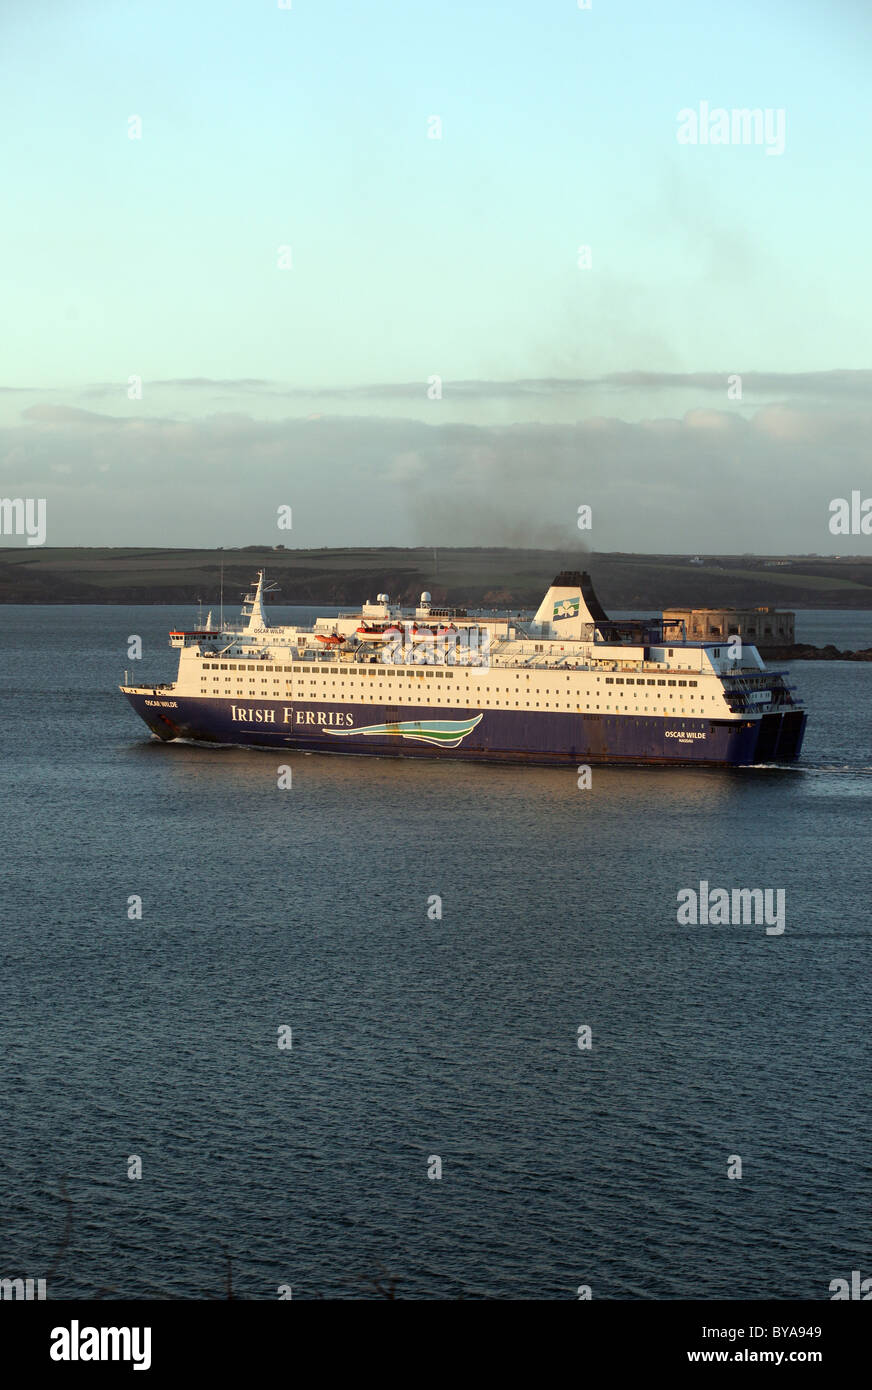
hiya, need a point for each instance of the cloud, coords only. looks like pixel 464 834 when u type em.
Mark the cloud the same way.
pixel 102 389
pixel 717 420
pixel 709 480
pixel 49 415
pixel 837 383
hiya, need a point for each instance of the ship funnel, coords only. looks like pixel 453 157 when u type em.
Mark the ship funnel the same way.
pixel 570 608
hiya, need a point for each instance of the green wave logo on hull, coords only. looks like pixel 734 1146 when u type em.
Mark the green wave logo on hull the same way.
pixel 445 733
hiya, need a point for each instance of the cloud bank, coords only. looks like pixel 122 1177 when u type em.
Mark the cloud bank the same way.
pixel 712 480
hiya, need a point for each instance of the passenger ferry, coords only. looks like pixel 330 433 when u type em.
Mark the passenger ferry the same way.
pixel 569 687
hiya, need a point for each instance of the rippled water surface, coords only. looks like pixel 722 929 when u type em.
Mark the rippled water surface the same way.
pixel 413 1037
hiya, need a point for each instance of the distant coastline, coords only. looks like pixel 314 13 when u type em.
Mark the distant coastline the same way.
pixel 494 577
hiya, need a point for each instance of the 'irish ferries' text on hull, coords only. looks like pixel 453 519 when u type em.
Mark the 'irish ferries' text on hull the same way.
pixel 570 687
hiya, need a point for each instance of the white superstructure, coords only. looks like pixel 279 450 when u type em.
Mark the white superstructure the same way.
pixel 570 659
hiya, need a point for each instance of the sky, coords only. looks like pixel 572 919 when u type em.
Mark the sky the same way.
pixel 436 273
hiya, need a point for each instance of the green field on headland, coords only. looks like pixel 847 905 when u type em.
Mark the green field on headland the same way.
pixel 493 577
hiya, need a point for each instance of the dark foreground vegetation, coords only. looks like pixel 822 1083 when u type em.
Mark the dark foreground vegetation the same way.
pixel 496 578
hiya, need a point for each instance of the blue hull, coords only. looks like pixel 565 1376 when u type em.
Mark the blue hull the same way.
pixel 499 736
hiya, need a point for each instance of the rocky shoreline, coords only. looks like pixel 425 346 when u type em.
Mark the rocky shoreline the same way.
pixel 804 651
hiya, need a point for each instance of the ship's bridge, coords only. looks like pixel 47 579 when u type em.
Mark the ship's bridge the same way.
pixel 205 637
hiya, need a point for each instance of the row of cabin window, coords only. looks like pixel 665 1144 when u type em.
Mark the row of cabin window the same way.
pixel 242 666
pixel 438 675
pixel 537 691
pixel 571 706
pixel 631 680
pixel 609 681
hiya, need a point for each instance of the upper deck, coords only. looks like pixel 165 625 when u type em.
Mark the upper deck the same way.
pixel 570 633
